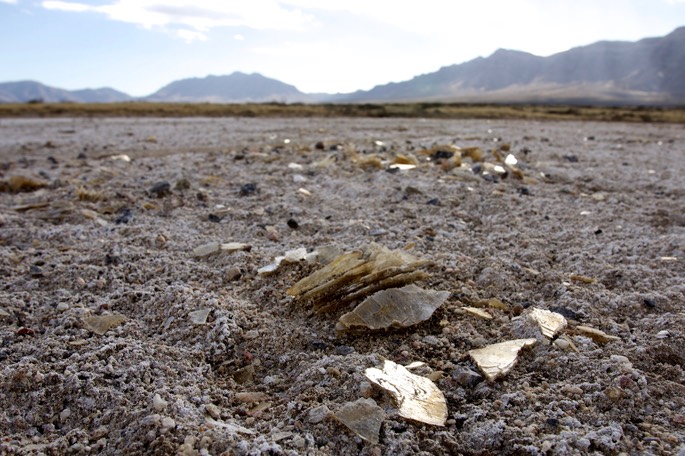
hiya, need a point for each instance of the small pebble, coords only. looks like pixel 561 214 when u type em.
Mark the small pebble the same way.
pixel 344 350
pixel 233 274
pixel 158 403
pixel 62 306
pixel 124 216
pixel 160 241
pixel 251 334
pixel 365 389
pixel 66 413
pixel 161 189
pixel 318 414
pixel 292 223
pixel 213 411
pixel 183 184
pixel 431 340
pixel 649 303
pixel 168 423
pixel 272 234
pixel 80 282
pixel 248 189
pixel 467 377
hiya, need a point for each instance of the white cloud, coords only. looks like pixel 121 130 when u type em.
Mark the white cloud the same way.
pixel 11 2
pixel 197 16
pixel 238 37
pixel 191 35
pixel 67 6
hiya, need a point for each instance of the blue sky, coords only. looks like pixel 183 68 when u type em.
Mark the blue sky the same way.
pixel 138 46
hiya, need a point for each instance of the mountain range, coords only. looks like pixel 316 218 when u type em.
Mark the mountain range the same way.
pixel 649 71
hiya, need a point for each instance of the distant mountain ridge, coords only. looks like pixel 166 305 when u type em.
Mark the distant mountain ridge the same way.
pixel 235 88
pixel 648 71
pixel 33 91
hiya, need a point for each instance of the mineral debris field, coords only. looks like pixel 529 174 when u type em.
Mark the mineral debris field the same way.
pixel 341 286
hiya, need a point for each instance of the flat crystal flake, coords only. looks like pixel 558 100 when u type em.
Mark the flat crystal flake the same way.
pixel 477 312
pixel 199 317
pixel 393 308
pixel 363 417
pixel 103 323
pixel 418 398
pixel 206 249
pixel 596 334
pixel 550 323
pixel 498 359
pixel 357 274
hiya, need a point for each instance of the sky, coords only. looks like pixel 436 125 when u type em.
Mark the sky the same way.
pixel 138 46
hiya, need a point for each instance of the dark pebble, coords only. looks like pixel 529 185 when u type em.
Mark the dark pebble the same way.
pixel 319 145
pixel 477 168
pixel 467 377
pixel 292 223
pixel 598 231
pixel 214 218
pixel 161 189
pixel 344 350
pixel 568 313
pixel 124 215
pixel 442 155
pixel 81 156
pixel 523 191
pixel 183 184
pixel 552 422
pixel 399 428
pixel 525 151
pixel 319 345
pixel 248 189
pixel 649 303
pixel 571 158
pixel 433 202
pixel 52 160
pixel 25 331
pixel 489 178
pixel 35 271
pixel 201 196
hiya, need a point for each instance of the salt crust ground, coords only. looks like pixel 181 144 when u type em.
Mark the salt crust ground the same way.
pixel 609 205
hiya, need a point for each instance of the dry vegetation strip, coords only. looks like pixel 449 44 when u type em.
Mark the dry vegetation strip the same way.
pixel 424 110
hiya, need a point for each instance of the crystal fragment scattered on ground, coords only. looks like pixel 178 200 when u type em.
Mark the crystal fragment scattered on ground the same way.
pixel 550 323
pixel 393 308
pixel 477 312
pixel 103 323
pixel 199 317
pixel 498 359
pixel 363 417
pixel 206 249
pixel 418 398
pixel 357 274
pixel 596 334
